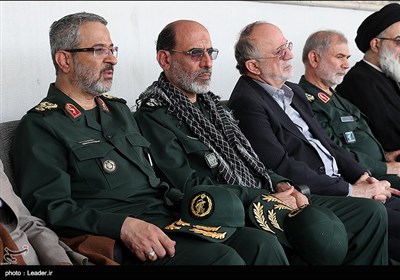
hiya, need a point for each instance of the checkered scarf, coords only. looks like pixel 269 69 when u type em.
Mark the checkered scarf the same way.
pixel 219 133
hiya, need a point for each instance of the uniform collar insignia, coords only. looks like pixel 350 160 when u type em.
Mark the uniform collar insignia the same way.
pixel 323 97
pixel 103 104
pixel 72 110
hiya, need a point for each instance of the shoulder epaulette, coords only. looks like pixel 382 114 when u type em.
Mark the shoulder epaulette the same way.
pixel 310 97
pixel 114 98
pixel 153 102
pixel 44 107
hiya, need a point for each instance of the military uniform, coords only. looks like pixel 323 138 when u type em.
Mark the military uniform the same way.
pixel 346 125
pixel 182 160
pixel 87 171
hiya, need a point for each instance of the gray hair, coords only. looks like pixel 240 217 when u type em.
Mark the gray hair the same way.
pixel 320 42
pixel 64 33
pixel 244 47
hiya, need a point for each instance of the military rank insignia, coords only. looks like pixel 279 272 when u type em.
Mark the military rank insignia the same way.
pixel 72 110
pixel 43 106
pixel 323 97
pixel 153 102
pixel 310 97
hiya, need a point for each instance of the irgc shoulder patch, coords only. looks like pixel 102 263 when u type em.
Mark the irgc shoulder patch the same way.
pixel 43 106
pixel 310 97
pixel 211 160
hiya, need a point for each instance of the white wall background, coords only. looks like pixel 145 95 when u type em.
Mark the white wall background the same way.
pixel 26 66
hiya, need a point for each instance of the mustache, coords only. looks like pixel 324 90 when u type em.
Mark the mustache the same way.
pixel 108 68
pixel 205 71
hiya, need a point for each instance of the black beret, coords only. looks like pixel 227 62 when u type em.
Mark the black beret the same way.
pixel 375 24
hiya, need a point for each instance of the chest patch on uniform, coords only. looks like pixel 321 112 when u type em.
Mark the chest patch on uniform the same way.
pixel 109 166
pixel 211 160
pixel 347 119
pixel 72 110
pixel 323 97
pixel 349 137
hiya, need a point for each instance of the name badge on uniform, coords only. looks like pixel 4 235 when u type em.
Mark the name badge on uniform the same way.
pixel 349 137
pixel 347 119
pixel 211 160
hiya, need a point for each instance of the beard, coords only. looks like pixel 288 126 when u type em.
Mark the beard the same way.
pixel 85 79
pixel 390 63
pixel 188 82
pixel 328 75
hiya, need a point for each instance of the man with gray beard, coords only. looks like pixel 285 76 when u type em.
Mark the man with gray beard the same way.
pixel 372 84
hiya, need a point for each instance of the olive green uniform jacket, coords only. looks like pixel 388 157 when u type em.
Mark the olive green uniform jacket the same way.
pixel 346 125
pixel 180 158
pixel 85 173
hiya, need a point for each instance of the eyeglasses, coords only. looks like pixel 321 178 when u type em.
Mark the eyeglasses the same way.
pixel 197 54
pixel 281 52
pixel 395 40
pixel 99 52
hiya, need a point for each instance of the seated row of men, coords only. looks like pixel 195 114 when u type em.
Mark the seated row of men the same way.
pixel 186 181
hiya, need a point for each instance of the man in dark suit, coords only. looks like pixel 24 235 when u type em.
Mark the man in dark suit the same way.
pixel 278 121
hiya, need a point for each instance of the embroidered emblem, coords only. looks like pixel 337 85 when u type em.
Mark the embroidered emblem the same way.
pixel 108 96
pixel 72 110
pixel 323 97
pixel 201 206
pixel 272 218
pixel 310 97
pixel 152 102
pixel 212 234
pixel 211 160
pixel 10 255
pixel 349 137
pixel 103 105
pixel 109 166
pixel 45 106
pixel 260 218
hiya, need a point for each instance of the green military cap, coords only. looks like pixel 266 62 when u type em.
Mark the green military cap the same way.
pixel 315 233
pixel 210 212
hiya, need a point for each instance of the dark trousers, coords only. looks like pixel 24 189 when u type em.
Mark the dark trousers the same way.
pixel 247 246
pixel 366 223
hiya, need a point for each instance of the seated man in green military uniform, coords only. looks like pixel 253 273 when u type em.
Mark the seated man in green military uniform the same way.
pixel 325 56
pixel 195 140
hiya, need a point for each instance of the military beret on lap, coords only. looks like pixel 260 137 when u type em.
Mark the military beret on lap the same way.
pixel 210 212
pixel 374 24
pixel 315 233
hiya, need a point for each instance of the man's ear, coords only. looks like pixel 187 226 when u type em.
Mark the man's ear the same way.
pixel 164 59
pixel 375 45
pixel 252 67
pixel 64 61
pixel 313 58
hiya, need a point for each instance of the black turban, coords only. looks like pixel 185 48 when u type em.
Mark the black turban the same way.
pixel 375 24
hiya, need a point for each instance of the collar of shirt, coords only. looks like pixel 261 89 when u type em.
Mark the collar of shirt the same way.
pixel 283 96
pixel 373 66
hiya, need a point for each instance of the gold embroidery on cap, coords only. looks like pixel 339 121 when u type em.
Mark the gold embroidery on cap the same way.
pixel 207 228
pixel 273 220
pixel 212 234
pixel 201 205
pixel 45 106
pixel 182 223
pixel 297 211
pixel 172 226
pixel 280 206
pixel 259 215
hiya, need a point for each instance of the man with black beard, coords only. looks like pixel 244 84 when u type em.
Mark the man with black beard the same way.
pixel 372 84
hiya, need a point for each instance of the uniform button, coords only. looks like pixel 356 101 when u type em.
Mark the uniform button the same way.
pixel 109 136
pixel 321 170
